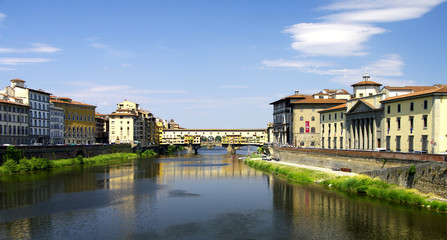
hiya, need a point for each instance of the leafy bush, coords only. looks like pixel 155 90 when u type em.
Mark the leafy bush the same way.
pixel 40 163
pixel 10 166
pixel 149 154
pixel 25 165
pixel 13 153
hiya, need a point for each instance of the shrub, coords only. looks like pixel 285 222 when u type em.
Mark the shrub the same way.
pixel 25 165
pixel 10 166
pixel 412 169
pixel 79 159
pixel 148 154
pixel 40 163
pixel 13 153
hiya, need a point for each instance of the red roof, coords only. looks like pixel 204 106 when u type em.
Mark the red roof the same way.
pixel 366 83
pixel 338 107
pixel 415 94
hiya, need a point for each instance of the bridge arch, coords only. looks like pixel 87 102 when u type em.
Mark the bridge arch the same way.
pixel 218 139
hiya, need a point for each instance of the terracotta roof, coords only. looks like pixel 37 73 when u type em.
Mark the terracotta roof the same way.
pixel 366 83
pixel 290 97
pixel 319 101
pixel 411 88
pixel 338 107
pixel 14 103
pixel 415 94
pixel 17 79
pixel 342 91
pixel 71 103
pixel 35 90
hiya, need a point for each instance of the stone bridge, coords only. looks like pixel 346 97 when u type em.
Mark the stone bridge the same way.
pixel 231 139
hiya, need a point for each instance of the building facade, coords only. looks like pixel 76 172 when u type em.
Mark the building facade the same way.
pixel 333 132
pixel 39 110
pixel 101 128
pixel 14 126
pixel 129 124
pixel 416 121
pixel 79 120
pixel 57 125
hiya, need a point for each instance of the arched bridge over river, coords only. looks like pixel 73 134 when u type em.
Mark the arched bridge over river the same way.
pixel 231 139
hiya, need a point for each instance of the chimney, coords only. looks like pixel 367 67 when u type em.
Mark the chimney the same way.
pixel 297 92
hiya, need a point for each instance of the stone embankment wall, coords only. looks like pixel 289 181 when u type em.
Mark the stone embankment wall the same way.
pixel 430 174
pixel 67 151
pixel 428 177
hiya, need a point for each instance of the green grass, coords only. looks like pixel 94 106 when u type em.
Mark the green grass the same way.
pixel 298 175
pixel 361 185
pixel 33 164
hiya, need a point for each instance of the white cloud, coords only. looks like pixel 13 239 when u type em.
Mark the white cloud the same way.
pixel 17 61
pixel 7 69
pixel 302 65
pixel 345 33
pixel 2 16
pixel 37 48
pixel 332 39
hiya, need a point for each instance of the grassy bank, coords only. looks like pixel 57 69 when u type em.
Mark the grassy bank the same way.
pixel 360 185
pixel 33 164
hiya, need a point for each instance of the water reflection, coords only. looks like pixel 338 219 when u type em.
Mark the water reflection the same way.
pixel 316 213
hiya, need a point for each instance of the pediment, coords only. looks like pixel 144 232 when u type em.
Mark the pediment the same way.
pixel 361 106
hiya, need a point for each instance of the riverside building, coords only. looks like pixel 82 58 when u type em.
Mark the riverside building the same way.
pixel 398 119
pixel 129 124
pixel 79 120
pixel 13 122
pixel 39 110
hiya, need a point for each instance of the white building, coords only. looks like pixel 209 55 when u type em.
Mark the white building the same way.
pixel 56 125
pixel 39 113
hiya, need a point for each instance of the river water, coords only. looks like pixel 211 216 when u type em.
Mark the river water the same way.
pixel 206 196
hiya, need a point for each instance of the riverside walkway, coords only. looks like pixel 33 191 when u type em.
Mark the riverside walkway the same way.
pixel 328 170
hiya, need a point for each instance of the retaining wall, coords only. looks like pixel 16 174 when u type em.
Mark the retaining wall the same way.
pixel 67 151
pixel 430 175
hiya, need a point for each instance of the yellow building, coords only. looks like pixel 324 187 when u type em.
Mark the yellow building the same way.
pixel 333 133
pixel 79 119
pixel 416 121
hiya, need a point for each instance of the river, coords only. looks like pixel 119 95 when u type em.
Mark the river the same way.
pixel 206 196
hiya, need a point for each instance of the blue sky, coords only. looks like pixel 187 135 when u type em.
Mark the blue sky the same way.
pixel 218 64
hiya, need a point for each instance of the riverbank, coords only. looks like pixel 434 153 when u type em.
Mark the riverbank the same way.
pixel 35 164
pixel 360 185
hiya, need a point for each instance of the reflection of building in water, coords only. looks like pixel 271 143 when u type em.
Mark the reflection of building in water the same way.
pixel 206 169
pixel 313 207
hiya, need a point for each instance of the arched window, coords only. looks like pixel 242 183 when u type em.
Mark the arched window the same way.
pixel 302 144
pixel 301 130
pixel 313 118
pixel 301 118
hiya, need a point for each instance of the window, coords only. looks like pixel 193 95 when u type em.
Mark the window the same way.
pixel 312 129
pixel 425 104
pixel 361 94
pixel 301 130
pixel 335 116
pixel 388 124
pixel 313 118
pixel 411 106
pixel 398 123
pixel 329 116
pixel 398 143
pixel 341 115
pixel 425 122
pixel 301 118
pixel 411 123
pixel 388 109
pixel 398 107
